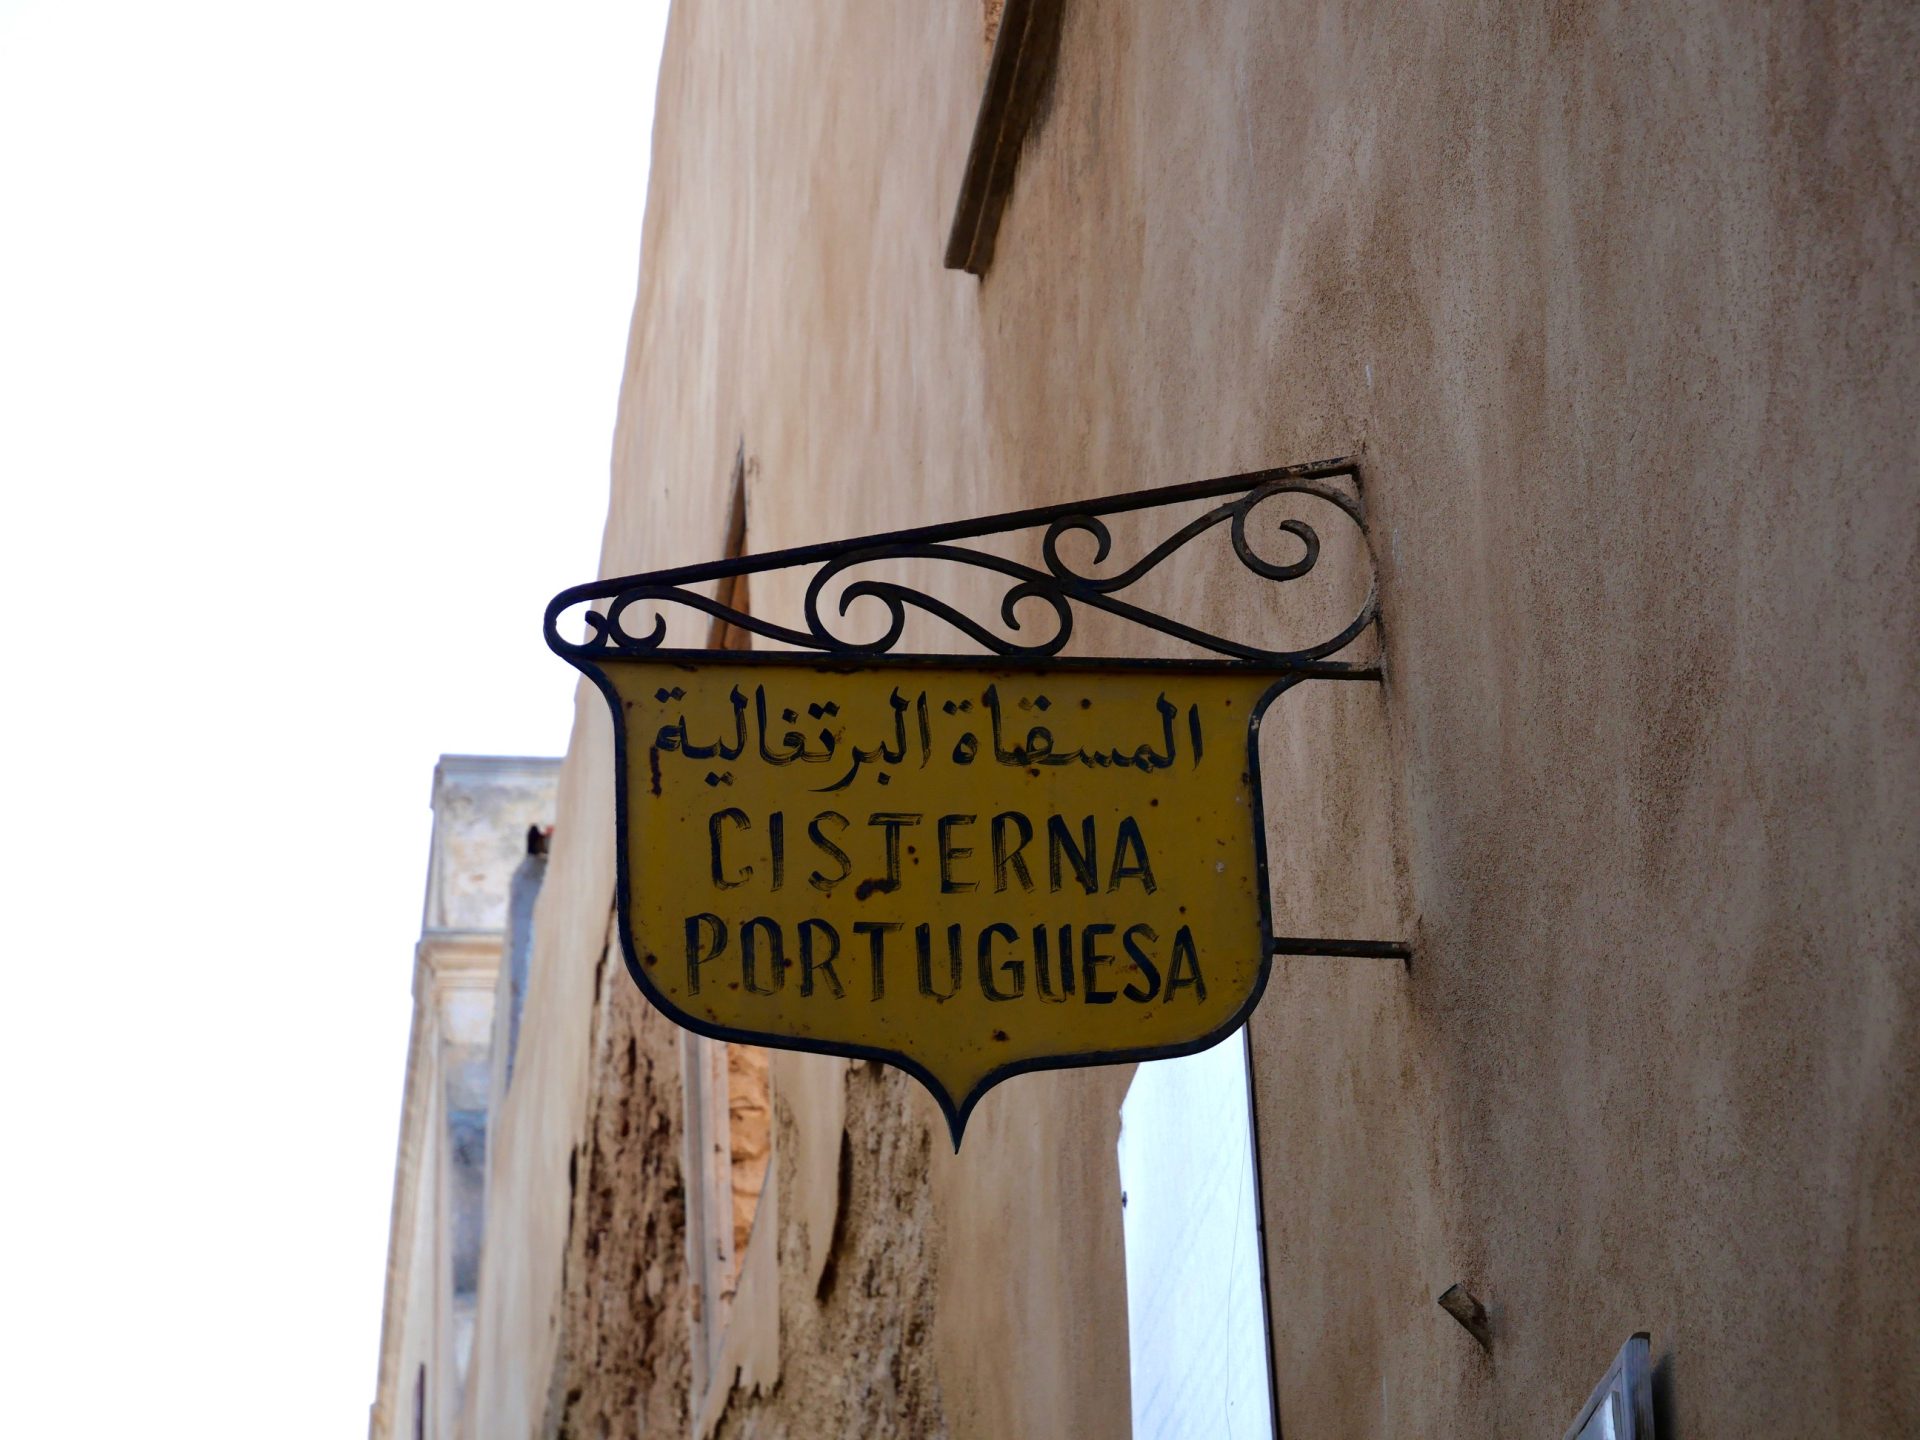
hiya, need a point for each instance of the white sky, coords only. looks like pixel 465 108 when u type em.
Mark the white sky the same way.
pixel 311 324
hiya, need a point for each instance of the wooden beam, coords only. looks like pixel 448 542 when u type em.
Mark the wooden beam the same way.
pixel 1018 73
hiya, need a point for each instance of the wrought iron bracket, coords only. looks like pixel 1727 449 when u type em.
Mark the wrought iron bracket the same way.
pixel 1059 590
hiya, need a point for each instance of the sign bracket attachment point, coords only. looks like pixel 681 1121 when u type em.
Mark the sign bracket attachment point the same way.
pixel 1343 949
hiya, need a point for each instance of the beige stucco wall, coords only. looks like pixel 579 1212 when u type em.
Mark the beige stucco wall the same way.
pixel 1617 305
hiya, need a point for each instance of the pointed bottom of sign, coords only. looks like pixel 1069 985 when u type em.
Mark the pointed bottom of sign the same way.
pixel 955 1112
pixel 956 1126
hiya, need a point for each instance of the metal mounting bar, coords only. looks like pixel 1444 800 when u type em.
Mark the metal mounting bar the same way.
pixel 1342 949
pixel 1055 589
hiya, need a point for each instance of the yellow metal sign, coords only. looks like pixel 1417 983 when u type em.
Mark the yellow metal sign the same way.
pixel 968 868
pixel 965 870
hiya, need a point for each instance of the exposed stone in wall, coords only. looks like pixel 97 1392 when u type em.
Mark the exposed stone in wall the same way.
pixel 990 11
pixel 625 1352
pixel 749 1138
pixel 856 1357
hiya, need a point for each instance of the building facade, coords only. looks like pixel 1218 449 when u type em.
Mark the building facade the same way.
pixel 1615 307
pixel 491 819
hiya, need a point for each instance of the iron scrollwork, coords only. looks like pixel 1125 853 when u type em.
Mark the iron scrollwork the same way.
pixel 1040 602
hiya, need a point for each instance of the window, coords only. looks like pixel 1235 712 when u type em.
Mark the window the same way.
pixel 521 897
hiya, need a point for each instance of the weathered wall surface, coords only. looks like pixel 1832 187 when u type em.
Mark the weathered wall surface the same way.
pixel 1620 304
pixel 856 1304
pixel 1617 303
pixel 624 1360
